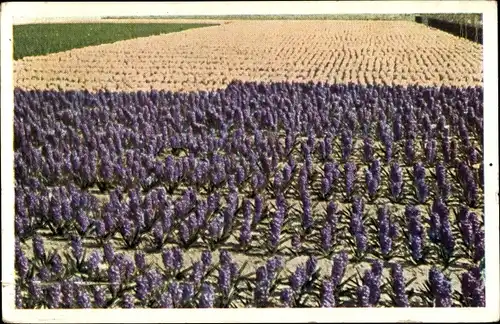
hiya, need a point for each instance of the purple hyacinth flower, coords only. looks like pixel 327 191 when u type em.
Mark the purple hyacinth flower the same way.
pixel 155 279
pixel 127 228
pixel 326 187
pixel 166 300
pixel 68 294
pixel 197 272
pixel 109 222
pixel 168 259
pixel 56 264
pixel 142 288
pixel 466 226
pixel 287 174
pixel 234 270
pixel 347 145
pixel 82 220
pixel 94 261
pixel 372 279
pixel 331 215
pixel 277 221
pixel 399 286
pixel 322 150
pixel 479 245
pixel 83 299
pixel 44 274
pixel 99 297
pixel 384 234
pixel 128 267
pixel 441 288
pixel 286 297
pixel 447 236
pixel 416 248
pixel 440 174
pixel 224 279
pixel 77 247
pixel 225 258
pixel 100 228
pixel 471 191
pixel 206 258
pixel 446 150
pixel 377 267
pixel 175 291
pixel 327 298
pixel 388 149
pixel 187 293
pixel 355 222
pixel 55 210
pixel 393 230
pixel 127 301
pixel 396 176
pixel 358 206
pixel 307 219
pixel 410 150
pixel 215 227
pixel 272 266
pixel 422 190
pixel 140 260
pixel 473 289
pixel 22 264
pixel 367 149
pixel 262 285
pixel 35 290
pixel 435 228
pixel 350 177
pixel 326 237
pixel 430 151
pixel 371 183
pixel 338 268
pixel 376 170
pixel 443 185
pixel 278 182
pixel 419 171
pixel 296 242
pixel 258 204
pixel 177 258
pixel 114 277
pixel 109 253
pixel 361 242
pixel 184 232
pixel 303 180
pixel 38 248
pixel 413 220
pixel 363 296
pixel 246 226
pixel 207 296
pixel 311 265
pixel 54 296
pixel 240 175
pixel 298 278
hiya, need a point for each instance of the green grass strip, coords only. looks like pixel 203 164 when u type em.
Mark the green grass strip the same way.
pixel 282 17
pixel 42 39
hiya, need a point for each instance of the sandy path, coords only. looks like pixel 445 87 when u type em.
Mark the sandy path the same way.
pixel 398 52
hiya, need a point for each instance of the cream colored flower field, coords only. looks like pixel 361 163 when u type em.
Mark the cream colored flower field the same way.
pixel 364 52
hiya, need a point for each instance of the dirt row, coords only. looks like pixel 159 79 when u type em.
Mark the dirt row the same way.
pixel 366 52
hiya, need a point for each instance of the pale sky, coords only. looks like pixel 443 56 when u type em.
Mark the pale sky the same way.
pixel 23 11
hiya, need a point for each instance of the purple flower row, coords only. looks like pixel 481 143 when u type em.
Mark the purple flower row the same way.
pixel 136 283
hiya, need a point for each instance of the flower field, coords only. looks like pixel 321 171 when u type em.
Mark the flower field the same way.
pixel 362 52
pixel 252 164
